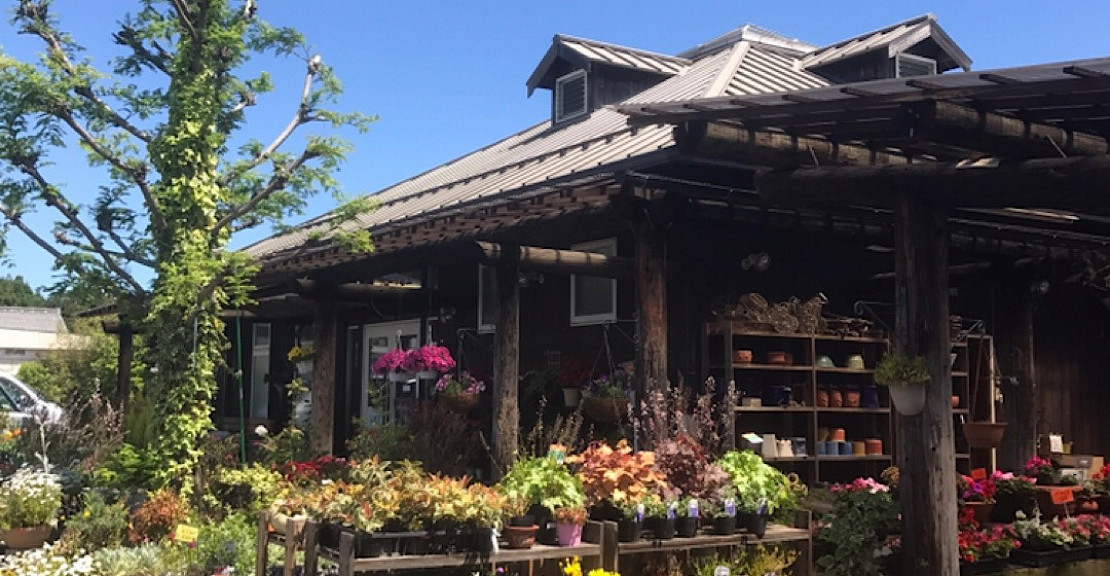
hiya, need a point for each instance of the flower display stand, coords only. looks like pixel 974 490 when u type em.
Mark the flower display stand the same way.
pixel 285 532
pixel 992 566
pixel 591 552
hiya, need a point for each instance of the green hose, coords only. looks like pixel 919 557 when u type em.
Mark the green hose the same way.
pixel 239 376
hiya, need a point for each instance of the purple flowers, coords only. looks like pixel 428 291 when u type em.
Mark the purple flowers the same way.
pixel 464 383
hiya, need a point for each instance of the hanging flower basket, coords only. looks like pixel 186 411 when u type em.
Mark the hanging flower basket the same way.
pixel 605 409
pixel 460 403
pixel 304 367
pixel 909 399
pixel 427 375
pixel 984 435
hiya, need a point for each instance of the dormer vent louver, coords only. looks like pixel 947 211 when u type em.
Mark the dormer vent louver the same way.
pixel 570 95
pixel 910 65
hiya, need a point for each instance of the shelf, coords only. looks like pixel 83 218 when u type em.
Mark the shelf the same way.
pixel 855 410
pixel 958 411
pixel 772 367
pixel 963 456
pixel 850 458
pixel 774 409
pixel 790 459
pixel 858 339
pixel 836 370
pixel 960 374
pixel 719 328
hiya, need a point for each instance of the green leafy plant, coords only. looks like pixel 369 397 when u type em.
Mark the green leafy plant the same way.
pixel 98 525
pixel 898 370
pixel 757 484
pixel 759 560
pixel 140 560
pixel 852 537
pixel 545 482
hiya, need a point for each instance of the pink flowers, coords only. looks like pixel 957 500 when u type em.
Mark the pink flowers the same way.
pixel 978 490
pixel 464 383
pixel 1037 465
pixel 861 485
pixel 429 357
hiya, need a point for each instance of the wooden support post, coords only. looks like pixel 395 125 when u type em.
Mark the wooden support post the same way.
pixel 651 307
pixel 1019 388
pixel 926 450
pixel 506 413
pixel 123 366
pixel 323 377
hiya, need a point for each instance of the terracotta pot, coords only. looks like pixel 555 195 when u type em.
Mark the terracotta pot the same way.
pixel 460 403
pixel 859 448
pixel 836 399
pixel 776 357
pixel 851 398
pixel 982 510
pixel 837 435
pixel 873 446
pixel 955 401
pixel 605 409
pixel 822 398
pixel 742 356
pixel 23 538
pixel 521 537
pixel 984 434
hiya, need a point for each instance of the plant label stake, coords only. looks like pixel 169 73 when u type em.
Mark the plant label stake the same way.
pixel 979 474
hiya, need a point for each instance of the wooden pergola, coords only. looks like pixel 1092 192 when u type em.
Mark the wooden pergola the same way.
pixel 1016 158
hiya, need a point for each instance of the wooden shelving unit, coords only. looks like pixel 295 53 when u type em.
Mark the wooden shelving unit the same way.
pixel 804 378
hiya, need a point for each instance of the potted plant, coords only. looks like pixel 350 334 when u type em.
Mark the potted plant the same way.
pixel 460 391
pixel 1098 526
pixel 978 496
pixel 722 512
pixel 855 531
pixel 606 396
pixel 761 490
pixel 1013 493
pixel 686 523
pixel 983 551
pixel 661 519
pixel 520 528
pixel 906 378
pixel 545 484
pixel 631 523
pixel 569 521
pixel 615 476
pixel 1042 543
pixel 429 361
pixel 573 373
pixel 29 503
pixel 301 357
pixel 393 365
pixel 1100 484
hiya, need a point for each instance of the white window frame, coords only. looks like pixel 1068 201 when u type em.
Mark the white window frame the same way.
pixel 606 246
pixel 483 270
pixel 260 350
pixel 560 82
pixel 912 58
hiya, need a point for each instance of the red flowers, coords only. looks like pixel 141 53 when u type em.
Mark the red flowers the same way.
pixel 976 544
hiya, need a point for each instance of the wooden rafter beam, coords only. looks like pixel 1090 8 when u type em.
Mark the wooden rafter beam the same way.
pixel 964 127
pixel 556 261
pixel 1061 183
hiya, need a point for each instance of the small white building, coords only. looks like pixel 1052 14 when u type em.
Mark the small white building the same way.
pixel 27 334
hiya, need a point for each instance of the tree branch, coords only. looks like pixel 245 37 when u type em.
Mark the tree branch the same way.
pixel 126 251
pixel 61 238
pixel 157 59
pixel 52 198
pixel 184 16
pixel 300 117
pixel 18 221
pixel 138 176
pixel 43 31
pixel 277 182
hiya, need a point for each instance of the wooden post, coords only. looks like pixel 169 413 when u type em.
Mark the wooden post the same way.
pixel 506 413
pixel 926 451
pixel 1019 389
pixel 651 307
pixel 123 367
pixel 324 335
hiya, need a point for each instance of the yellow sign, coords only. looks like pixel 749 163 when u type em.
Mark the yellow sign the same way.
pixel 185 533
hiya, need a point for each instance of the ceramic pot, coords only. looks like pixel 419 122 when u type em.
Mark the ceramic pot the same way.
pixel 304 367
pixel 873 446
pixel 836 399
pixel 859 448
pixel 770 447
pixel 855 362
pixel 569 534
pixel 521 537
pixel 869 397
pixel 23 538
pixel 845 448
pixel 851 398
pixel 955 401
pixel 742 356
pixel 822 398
pixel 909 399
pixel 776 357
pixel 798 443
pixel 837 435
pixel 825 362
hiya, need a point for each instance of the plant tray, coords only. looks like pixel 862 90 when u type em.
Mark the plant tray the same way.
pixel 1049 558
pixel 992 566
pixel 1102 551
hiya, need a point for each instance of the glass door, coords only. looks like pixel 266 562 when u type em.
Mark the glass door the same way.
pixel 382 401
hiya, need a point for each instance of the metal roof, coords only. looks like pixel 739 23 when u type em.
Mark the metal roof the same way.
pixel 894 39
pixel 30 319
pixel 584 53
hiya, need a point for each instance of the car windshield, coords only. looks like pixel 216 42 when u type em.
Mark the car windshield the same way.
pixel 22 399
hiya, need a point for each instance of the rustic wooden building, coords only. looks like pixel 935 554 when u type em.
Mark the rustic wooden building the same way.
pixel 859 170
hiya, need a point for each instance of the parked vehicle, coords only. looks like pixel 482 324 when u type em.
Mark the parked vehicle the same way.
pixel 23 403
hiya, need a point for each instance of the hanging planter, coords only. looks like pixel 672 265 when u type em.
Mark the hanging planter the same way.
pixel 906 378
pixel 605 409
pixel 427 375
pixel 399 376
pixel 304 367
pixel 984 435
pixel 460 403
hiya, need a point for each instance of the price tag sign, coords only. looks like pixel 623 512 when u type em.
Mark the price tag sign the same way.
pixel 1062 496
pixel 186 534
pixel 979 474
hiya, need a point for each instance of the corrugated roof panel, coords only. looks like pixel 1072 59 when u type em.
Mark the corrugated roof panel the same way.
pixel 763 71
pixel 624 56
pixel 864 42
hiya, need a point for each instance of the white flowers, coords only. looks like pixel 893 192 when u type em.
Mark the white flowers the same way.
pixel 43 562
pixel 261 431
pixel 30 498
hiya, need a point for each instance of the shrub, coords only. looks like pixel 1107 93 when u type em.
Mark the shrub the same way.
pixel 29 498
pixel 127 469
pixel 228 542
pixel 156 518
pixel 854 532
pixel 98 525
pixel 141 560
pixel 391 442
pixel 91 431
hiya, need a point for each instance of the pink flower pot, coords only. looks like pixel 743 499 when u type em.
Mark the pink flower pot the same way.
pixel 568 534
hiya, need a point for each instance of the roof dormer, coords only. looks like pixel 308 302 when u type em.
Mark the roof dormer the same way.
pixel 584 75
pixel 915 47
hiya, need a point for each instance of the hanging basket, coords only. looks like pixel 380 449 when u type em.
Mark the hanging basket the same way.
pixel 605 409
pixel 460 403
pixel 427 375
pixel 399 376
pixel 304 367
pixel 984 435
pixel 909 399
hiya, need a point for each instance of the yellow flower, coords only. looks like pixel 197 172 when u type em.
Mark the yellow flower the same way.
pixel 571 567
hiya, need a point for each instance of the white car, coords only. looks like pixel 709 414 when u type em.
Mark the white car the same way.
pixel 23 404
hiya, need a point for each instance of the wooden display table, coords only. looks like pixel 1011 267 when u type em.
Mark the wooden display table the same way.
pixel 590 553
pixel 797 538
pixel 290 541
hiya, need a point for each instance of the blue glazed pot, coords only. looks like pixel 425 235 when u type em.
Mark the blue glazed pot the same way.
pixel 869 397
pixel 845 448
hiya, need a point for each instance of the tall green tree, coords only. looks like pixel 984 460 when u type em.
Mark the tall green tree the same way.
pixel 167 125
pixel 17 292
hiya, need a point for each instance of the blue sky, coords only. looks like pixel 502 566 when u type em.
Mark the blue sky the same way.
pixel 448 77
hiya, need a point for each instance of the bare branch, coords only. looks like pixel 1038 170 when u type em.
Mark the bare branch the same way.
pixel 184 17
pixel 127 252
pixel 52 198
pixel 138 176
pixel 47 35
pixel 300 117
pixel 61 238
pixel 157 59
pixel 18 222
pixel 277 182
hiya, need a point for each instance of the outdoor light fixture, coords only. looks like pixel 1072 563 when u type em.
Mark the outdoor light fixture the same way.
pixel 1040 288
pixel 758 261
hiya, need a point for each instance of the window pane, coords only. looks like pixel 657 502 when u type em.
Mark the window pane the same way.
pixel 260 368
pixel 593 296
